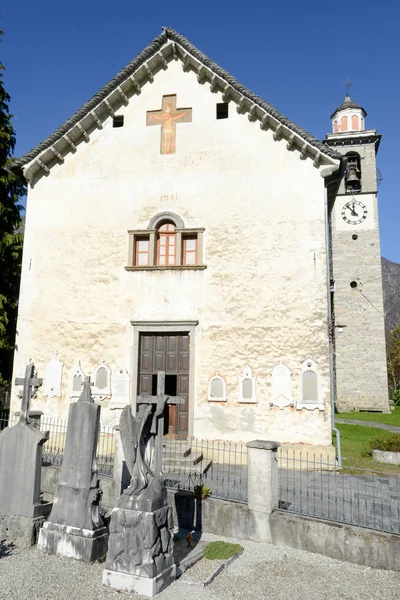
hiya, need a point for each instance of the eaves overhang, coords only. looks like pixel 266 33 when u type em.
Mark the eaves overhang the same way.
pixel 167 46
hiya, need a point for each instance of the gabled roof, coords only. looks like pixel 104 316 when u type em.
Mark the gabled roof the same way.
pixel 348 103
pixel 138 72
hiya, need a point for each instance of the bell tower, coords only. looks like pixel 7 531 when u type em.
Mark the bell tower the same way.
pixel 359 328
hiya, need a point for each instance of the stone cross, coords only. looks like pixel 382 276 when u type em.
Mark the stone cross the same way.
pixel 167 118
pixel 86 395
pixel 29 382
pixel 158 417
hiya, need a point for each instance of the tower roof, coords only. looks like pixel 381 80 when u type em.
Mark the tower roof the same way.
pixel 348 103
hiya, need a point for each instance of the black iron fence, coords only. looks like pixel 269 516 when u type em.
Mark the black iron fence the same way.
pixel 4 398
pixel 4 416
pixel 361 492
pixel 53 449
pixel 216 467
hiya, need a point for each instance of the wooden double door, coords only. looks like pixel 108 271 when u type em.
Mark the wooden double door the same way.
pixel 169 353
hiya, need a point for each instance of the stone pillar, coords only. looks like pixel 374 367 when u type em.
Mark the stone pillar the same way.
pixel 263 488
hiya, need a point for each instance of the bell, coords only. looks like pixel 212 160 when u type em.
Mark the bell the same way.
pixel 352 174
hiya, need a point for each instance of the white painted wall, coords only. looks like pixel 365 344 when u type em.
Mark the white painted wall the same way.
pixel 262 298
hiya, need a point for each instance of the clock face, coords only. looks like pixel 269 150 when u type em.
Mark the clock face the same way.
pixel 354 212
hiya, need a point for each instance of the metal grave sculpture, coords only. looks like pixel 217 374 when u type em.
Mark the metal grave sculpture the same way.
pixel 22 511
pixel 75 527
pixel 140 549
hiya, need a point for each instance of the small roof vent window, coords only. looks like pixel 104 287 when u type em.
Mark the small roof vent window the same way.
pixel 222 110
pixel 118 121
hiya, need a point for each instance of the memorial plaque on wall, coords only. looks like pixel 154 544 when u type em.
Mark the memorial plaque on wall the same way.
pixel 53 377
pixel 120 383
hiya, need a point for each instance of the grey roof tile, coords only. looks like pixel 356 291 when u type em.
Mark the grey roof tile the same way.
pixel 348 103
pixel 134 65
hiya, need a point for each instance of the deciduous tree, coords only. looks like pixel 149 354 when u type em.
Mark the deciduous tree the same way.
pixel 393 363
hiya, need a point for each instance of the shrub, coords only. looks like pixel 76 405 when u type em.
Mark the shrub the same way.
pixel 221 550
pixel 387 443
pixel 202 491
pixel 396 397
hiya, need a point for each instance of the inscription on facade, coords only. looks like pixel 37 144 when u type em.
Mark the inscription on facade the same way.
pixel 120 383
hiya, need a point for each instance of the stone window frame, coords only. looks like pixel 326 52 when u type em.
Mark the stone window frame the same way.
pixel 247 373
pixel 101 393
pixel 151 234
pixel 356 159
pixel 76 371
pixel 168 327
pixel 223 398
pixel 309 364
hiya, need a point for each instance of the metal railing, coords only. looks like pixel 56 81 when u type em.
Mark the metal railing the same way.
pixel 4 417
pixel 363 492
pixel 4 399
pixel 53 449
pixel 219 465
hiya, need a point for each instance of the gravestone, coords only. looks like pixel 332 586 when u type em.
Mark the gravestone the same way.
pixel 22 511
pixel 140 548
pixel 75 527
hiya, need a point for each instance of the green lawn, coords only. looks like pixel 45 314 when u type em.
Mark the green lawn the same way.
pixel 354 441
pixel 390 419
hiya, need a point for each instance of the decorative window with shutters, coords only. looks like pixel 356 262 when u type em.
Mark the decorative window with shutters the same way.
pixel 165 244
pixel 142 250
pixel 189 254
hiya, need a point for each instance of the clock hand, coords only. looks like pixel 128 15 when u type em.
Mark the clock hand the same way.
pixel 353 212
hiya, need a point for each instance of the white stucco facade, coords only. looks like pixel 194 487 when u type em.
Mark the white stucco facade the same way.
pixel 260 301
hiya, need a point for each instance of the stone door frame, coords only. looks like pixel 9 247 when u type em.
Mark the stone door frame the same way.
pixel 166 327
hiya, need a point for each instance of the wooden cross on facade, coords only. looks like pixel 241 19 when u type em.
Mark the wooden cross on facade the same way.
pixel 29 382
pixel 167 117
pixel 160 402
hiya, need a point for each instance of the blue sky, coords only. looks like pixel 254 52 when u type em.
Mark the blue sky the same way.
pixel 294 54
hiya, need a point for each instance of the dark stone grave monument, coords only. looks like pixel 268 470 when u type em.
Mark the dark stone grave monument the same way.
pixel 140 548
pixel 75 527
pixel 22 512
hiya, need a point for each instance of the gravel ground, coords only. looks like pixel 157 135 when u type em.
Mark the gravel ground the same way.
pixel 201 571
pixel 262 572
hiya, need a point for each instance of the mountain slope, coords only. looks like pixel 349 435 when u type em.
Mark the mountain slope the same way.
pixel 391 293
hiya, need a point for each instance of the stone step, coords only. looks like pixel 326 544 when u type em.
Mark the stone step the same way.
pixel 176 447
pixel 178 456
pixel 200 468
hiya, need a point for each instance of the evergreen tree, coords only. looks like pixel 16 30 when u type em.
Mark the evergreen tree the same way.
pixel 11 191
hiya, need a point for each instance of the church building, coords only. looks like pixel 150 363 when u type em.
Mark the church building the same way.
pixel 177 222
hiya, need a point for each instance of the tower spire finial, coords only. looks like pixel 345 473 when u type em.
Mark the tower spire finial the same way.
pixel 348 85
